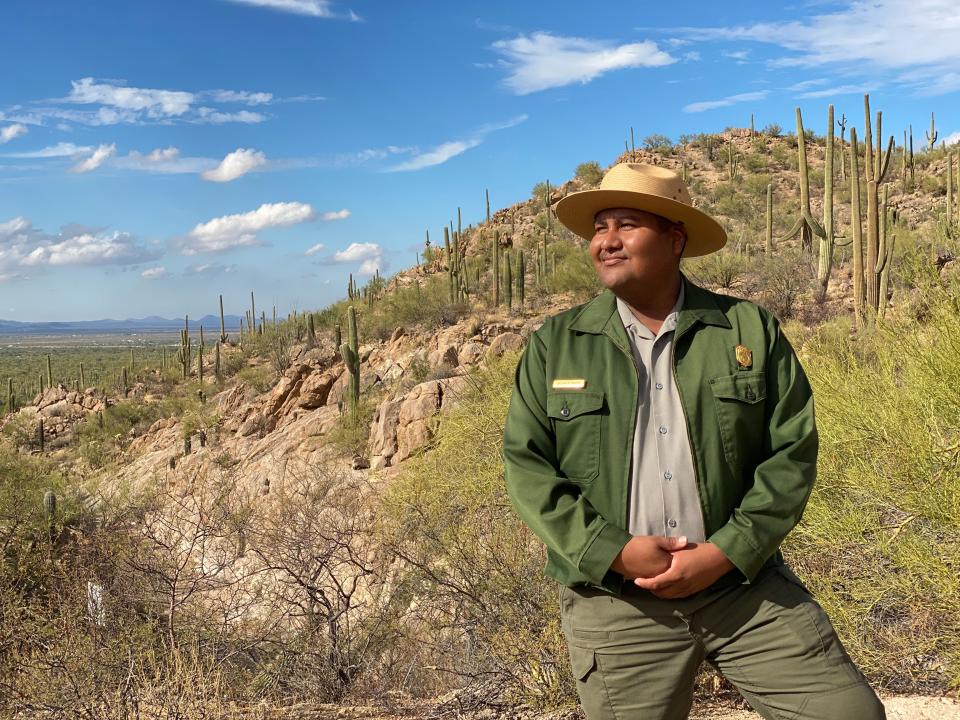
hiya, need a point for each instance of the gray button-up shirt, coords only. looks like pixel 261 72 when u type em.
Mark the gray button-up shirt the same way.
pixel 663 494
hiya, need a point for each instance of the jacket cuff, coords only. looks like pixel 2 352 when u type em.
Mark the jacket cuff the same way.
pixel 601 551
pixel 739 550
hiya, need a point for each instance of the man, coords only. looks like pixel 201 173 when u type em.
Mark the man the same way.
pixel 661 442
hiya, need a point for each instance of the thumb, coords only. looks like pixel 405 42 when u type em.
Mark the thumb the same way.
pixel 672 543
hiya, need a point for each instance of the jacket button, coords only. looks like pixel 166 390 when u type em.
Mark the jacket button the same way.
pixel 565 411
pixel 672 523
pixel 663 429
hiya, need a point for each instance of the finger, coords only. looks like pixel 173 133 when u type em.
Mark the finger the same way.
pixel 657 582
pixel 672 543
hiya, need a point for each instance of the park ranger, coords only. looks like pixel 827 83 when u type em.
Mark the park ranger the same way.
pixel 661 442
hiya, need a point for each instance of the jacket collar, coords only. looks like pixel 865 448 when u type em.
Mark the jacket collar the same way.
pixel 600 316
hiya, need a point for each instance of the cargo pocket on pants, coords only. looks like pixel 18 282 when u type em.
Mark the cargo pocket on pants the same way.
pixel 582 661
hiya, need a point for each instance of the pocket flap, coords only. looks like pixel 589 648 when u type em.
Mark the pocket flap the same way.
pixel 581 661
pixel 567 405
pixel 745 386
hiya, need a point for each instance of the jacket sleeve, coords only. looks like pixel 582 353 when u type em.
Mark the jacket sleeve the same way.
pixel 554 508
pixel 783 480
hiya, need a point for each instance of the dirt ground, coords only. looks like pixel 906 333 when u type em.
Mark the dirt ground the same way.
pixel 899 707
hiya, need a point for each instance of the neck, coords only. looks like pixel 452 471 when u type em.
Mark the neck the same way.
pixel 651 303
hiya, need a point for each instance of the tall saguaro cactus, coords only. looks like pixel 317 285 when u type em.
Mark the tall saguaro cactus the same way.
pixel 806 225
pixel 932 134
pixel 350 352
pixel 223 326
pixel 875 165
pixel 857 232
pixel 826 242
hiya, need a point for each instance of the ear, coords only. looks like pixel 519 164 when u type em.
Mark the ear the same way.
pixel 678 237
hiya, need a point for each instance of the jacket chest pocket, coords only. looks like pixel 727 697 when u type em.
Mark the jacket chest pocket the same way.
pixel 740 403
pixel 575 417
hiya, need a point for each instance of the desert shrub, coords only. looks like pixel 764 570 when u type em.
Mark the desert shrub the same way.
pixel 575 272
pixel 657 142
pixel 352 430
pixel 725 269
pixel 463 548
pixel 782 278
pixel 589 173
pixel 772 130
pixel 539 191
pixel 259 377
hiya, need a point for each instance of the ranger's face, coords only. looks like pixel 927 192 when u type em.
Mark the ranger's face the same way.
pixel 630 248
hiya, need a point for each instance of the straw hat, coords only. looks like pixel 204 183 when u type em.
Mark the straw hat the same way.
pixel 651 188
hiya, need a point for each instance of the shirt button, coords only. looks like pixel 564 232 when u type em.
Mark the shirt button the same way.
pixel 663 429
pixel 672 523
pixel 668 474
pixel 659 386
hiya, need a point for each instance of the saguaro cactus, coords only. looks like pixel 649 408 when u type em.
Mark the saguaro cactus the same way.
pixel 806 225
pixel 931 134
pixel 508 280
pixel 223 326
pixel 83 381
pixel 253 314
pixel 350 352
pixel 826 243
pixel 40 434
pixel 875 166
pixel 11 400
pixel 49 505
pixel 49 373
pixel 769 246
pixel 216 361
pixel 857 232
pixel 496 268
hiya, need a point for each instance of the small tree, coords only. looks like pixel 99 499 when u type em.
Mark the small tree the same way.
pixel 589 173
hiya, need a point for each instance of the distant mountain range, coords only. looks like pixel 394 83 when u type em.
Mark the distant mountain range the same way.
pixel 210 323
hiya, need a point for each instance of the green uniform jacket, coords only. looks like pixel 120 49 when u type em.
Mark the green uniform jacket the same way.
pixel 567 452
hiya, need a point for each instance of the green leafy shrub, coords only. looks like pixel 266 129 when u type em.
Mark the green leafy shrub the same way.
pixel 589 173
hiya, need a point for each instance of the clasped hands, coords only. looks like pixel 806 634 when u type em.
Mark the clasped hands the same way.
pixel 670 567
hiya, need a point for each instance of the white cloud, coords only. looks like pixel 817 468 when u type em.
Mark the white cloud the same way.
pixel 235 164
pixel 724 102
pixel 209 269
pixel 315 249
pixel 22 245
pixel 155 103
pixel 10 132
pixel 336 215
pixel 99 156
pixel 838 90
pixel 230 231
pixel 154 273
pixel 541 60
pixel 166 160
pixel 865 37
pixel 62 149
pixel 369 255
pixel 218 117
pixel 314 8
pixel 311 8
pixel 240 96
pixel 443 152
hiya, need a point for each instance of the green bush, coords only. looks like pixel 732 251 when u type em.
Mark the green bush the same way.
pixel 589 173
pixel 463 548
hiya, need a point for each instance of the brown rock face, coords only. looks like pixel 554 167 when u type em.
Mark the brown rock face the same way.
pixel 504 342
pixel 316 389
pixel 383 431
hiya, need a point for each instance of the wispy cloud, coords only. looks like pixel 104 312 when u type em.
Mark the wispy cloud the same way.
pixel 314 249
pixel 312 8
pixel 864 37
pixel 166 160
pixel 22 246
pixel 703 105
pixel 838 90
pixel 231 231
pixel 154 273
pixel 236 164
pixel 10 132
pixel 369 255
pixel 208 269
pixel 542 60
pixel 96 159
pixel 443 152
pixel 110 102
pixel 335 215
pixel 62 149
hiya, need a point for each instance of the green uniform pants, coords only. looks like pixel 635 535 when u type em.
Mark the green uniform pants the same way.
pixel 634 657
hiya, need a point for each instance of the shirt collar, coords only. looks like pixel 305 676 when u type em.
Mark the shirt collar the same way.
pixel 630 322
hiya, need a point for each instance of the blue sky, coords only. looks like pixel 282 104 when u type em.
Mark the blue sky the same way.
pixel 154 155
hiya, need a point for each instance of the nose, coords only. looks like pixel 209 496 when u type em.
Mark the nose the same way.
pixel 610 238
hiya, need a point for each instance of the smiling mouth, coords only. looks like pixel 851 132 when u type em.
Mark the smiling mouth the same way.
pixel 611 260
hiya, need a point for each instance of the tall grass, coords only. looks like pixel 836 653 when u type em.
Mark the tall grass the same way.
pixel 880 540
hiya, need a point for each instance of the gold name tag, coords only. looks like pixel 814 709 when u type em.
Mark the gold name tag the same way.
pixel 569 384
